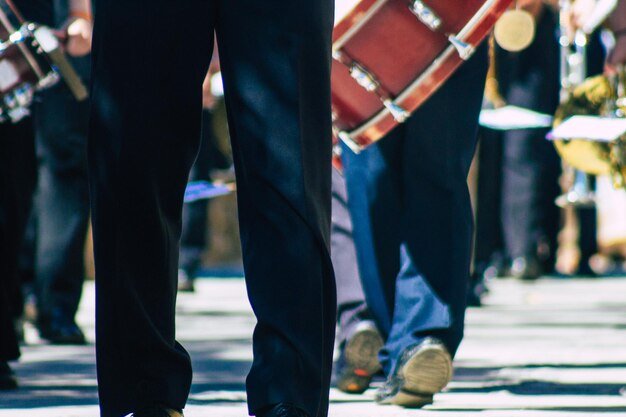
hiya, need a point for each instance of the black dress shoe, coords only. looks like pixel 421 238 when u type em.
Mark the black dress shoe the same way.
pixel 62 333
pixel 157 411
pixel 359 359
pixel 422 371
pixel 282 410
pixel 527 268
pixel 7 377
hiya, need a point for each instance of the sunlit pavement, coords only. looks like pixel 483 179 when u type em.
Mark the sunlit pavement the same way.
pixel 549 348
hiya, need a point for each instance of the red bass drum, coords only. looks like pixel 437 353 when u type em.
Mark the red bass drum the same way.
pixel 391 55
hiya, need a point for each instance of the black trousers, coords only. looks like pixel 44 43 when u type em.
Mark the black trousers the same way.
pixel 17 183
pixel 144 135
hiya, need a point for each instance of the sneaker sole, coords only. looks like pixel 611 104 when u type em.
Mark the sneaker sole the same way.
pixel 362 351
pixel 425 374
pixel 361 361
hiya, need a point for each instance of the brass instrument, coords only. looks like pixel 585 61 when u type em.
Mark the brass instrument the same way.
pixel 604 96
pixel 573 73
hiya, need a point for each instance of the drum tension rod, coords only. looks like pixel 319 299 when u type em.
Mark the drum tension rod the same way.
pixel 428 17
pixel 370 83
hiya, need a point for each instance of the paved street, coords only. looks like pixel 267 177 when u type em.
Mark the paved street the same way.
pixel 551 348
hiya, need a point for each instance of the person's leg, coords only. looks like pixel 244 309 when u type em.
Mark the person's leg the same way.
pixel 489 250
pixel 437 226
pixel 144 136
pixel 62 212
pixel 351 305
pixel 275 60
pixel 530 216
pixel 375 198
pixel 488 259
pixel 357 335
pixel 437 217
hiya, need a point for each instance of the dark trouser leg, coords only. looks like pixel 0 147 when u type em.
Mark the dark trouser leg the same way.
pixel 530 172
pixel 488 221
pixel 351 305
pixel 275 61
pixel 62 204
pixel 439 218
pixel 144 136
pixel 416 183
pixel 145 127
pixel 17 182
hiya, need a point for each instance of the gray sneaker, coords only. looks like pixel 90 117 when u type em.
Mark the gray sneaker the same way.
pixel 360 361
pixel 423 370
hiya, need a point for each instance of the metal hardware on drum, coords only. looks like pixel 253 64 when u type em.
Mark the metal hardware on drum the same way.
pixel 370 83
pixel 391 55
pixel 363 77
pixel 428 17
pixel 399 114
pixel 464 49
pixel 349 141
pixel 425 15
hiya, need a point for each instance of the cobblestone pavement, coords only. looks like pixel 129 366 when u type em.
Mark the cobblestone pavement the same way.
pixel 549 348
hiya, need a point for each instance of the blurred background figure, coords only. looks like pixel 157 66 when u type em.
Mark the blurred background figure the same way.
pixel 61 207
pixel 18 165
pixel 518 222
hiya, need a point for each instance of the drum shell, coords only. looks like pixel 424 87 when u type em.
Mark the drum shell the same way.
pixel 408 59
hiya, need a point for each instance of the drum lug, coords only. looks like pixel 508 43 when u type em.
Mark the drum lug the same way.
pixel 464 49
pixel 399 114
pixel 425 14
pixel 363 77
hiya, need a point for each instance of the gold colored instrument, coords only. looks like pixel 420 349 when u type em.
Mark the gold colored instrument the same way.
pixel 597 96
pixel 573 73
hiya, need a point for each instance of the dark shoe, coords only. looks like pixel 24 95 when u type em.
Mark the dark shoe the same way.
pixel 157 411
pixel 282 410
pixel 185 281
pixel 62 333
pixel 7 377
pixel 526 268
pixel 423 370
pixel 360 359
pixel 476 290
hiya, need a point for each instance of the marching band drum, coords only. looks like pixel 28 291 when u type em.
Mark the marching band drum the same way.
pixel 391 55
